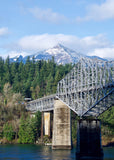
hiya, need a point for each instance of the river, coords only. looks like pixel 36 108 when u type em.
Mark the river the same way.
pixel 37 152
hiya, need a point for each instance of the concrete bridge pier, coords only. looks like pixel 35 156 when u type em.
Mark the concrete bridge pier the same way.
pixel 46 124
pixel 61 138
pixel 89 140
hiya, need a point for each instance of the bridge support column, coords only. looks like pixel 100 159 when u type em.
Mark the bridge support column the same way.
pixel 42 126
pixel 45 129
pixel 61 138
pixel 89 140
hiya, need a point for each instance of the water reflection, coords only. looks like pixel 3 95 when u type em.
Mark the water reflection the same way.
pixel 50 154
pixel 36 152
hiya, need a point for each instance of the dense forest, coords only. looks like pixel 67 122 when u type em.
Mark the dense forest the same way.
pixel 34 79
pixel 19 81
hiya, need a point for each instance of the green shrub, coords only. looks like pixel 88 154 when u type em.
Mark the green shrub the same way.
pixel 8 132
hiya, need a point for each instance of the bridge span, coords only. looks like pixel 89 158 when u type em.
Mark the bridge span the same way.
pixel 88 90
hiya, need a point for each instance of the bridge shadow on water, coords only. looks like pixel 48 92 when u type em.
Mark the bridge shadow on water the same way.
pixel 47 153
pixel 40 152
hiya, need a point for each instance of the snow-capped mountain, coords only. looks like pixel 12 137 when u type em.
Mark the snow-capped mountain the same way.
pixel 61 54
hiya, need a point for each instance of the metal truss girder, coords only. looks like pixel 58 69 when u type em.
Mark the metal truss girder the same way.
pixel 102 105
pixel 86 85
pixel 88 89
pixel 42 104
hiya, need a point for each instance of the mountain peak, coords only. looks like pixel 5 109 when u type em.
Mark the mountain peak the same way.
pixel 62 55
pixel 59 46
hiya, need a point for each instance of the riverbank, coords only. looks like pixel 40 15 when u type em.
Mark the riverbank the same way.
pixel 106 141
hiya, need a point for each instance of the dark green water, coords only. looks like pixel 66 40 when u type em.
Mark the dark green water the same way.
pixel 36 152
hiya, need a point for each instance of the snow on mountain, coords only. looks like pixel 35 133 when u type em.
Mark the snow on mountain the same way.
pixel 14 59
pixel 61 54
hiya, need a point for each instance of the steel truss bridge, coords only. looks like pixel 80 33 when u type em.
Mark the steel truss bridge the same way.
pixel 88 89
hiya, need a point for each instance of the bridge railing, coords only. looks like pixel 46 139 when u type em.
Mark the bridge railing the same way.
pixel 42 104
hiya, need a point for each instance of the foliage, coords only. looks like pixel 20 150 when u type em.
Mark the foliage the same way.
pixel 38 123
pixel 32 79
pixel 30 128
pixel 8 132
pixel 1 133
pixel 19 80
pixel 107 119
pixel 26 134
pixel 74 119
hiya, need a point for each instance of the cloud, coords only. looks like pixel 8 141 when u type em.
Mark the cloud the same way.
pixel 99 12
pixel 4 31
pixel 44 41
pixel 47 15
pixel 90 45
pixel 103 52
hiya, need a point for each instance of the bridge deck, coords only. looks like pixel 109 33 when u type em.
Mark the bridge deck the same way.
pixel 42 104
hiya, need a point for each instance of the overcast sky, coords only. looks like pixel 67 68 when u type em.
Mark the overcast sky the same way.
pixel 28 26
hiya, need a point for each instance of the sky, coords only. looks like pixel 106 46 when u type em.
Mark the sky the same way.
pixel 29 26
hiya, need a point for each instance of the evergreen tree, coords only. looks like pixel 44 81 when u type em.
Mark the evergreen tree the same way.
pixel 8 132
pixel 14 70
pixel 1 74
pixel 27 67
pixel 22 131
pixel 38 123
pixel 35 92
pixel 30 129
pixel 7 68
pixel 49 84
pixel 32 70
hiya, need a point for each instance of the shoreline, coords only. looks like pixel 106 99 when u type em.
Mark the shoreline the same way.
pixel 106 142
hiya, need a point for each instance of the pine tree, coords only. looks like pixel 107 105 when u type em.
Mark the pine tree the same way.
pixel 1 74
pixel 7 68
pixel 49 84
pixel 38 123
pixel 22 131
pixel 8 132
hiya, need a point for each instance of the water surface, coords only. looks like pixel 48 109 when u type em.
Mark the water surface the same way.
pixel 37 152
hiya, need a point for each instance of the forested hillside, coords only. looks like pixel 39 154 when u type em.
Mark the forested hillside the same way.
pixel 19 81
pixel 34 79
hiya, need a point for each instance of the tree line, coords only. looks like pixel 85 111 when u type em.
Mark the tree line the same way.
pixel 19 80
pixel 33 79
